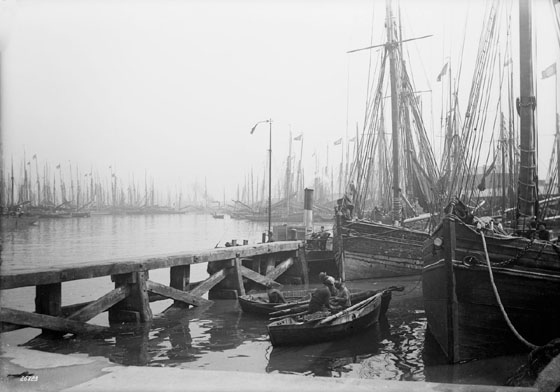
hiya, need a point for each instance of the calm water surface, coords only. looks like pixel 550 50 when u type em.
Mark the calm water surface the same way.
pixel 220 337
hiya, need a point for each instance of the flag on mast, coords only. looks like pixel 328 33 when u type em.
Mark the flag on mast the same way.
pixel 549 71
pixel 300 137
pixel 443 72
pixel 337 142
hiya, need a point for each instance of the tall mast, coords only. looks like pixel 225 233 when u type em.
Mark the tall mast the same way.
pixel 526 108
pixel 391 46
pixel 288 185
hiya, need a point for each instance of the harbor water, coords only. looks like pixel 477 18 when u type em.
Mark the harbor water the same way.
pixel 221 336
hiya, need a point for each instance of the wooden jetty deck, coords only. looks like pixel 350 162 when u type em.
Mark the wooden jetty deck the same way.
pixel 230 269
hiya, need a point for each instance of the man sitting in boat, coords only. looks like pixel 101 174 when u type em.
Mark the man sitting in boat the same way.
pixel 342 298
pixel 328 281
pixel 274 295
pixel 320 300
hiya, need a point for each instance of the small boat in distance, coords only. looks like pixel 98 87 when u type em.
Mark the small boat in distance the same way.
pixel 215 215
pixel 14 221
pixel 306 330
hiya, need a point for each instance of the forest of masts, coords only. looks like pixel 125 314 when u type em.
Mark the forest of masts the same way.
pixel 29 183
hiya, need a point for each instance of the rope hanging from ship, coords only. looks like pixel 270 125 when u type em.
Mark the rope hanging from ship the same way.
pixel 499 300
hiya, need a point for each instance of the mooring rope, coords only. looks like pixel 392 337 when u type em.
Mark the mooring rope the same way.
pixel 498 299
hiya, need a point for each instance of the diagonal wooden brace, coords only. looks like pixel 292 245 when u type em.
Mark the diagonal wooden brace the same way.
pixel 175 294
pixel 47 322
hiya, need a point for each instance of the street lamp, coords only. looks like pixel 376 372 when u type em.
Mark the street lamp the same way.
pixel 269 121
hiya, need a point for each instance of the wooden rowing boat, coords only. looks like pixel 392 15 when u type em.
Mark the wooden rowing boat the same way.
pixel 297 301
pixel 355 319
pixel 257 303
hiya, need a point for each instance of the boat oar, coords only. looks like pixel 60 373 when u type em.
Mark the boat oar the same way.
pixel 347 310
pixel 291 304
pixel 287 315
pixel 290 310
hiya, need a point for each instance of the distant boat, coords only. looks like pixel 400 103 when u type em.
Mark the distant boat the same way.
pixel 12 222
pixel 215 215
pixel 348 322
pixel 80 214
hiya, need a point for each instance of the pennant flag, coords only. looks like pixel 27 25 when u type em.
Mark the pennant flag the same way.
pixel 443 72
pixel 337 142
pixel 34 156
pixel 549 71
pixel 58 166
pixel 300 137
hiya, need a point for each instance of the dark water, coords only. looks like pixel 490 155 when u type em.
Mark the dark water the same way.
pixel 221 336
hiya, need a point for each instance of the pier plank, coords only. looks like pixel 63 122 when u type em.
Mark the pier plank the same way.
pixel 20 277
pixel 103 303
pixel 44 321
pixel 175 294
pixel 206 285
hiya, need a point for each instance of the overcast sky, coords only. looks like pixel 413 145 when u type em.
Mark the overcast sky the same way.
pixel 174 87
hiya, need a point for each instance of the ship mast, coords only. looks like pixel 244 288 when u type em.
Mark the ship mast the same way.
pixel 527 186
pixel 391 47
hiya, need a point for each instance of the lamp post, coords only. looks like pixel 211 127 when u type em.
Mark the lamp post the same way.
pixel 269 121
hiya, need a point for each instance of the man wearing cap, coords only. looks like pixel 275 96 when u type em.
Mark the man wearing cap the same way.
pixel 328 281
pixel 274 295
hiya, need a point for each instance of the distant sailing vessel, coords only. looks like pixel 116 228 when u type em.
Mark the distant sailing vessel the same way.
pixel 488 293
pixel 374 245
pixel 15 221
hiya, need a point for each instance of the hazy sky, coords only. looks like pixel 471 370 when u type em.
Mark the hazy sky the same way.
pixel 174 87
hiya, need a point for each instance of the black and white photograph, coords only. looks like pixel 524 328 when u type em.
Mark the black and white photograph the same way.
pixel 274 195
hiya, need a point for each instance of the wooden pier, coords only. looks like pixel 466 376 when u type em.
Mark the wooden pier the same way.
pixel 232 270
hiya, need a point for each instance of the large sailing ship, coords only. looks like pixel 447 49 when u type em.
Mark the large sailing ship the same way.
pixel 486 292
pixel 396 175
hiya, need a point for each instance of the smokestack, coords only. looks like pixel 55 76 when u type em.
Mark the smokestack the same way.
pixel 308 212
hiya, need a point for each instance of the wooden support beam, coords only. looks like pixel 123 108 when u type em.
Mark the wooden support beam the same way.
pixel 8 327
pixel 175 294
pixel 48 300
pixel 213 280
pixel 303 263
pixel 270 264
pixel 257 265
pixel 256 277
pixel 69 309
pixel 102 304
pixel 136 306
pixel 179 279
pixel 280 269
pixel 238 277
pixel 47 322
